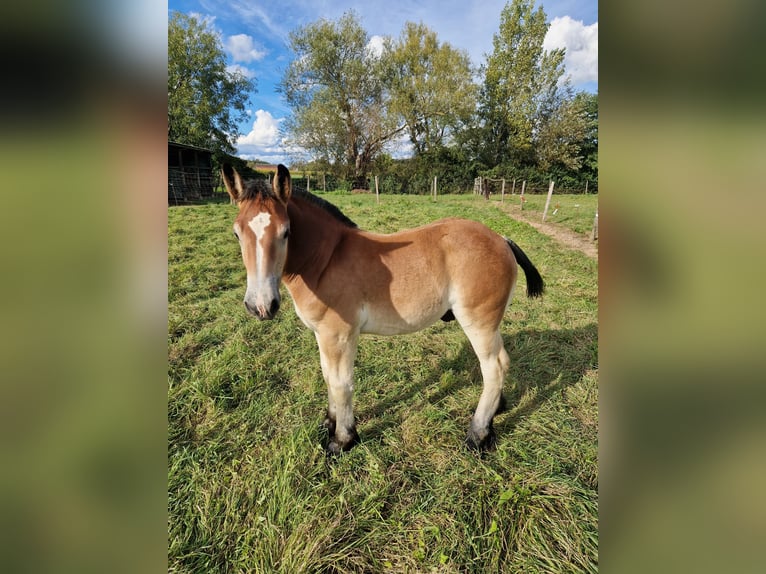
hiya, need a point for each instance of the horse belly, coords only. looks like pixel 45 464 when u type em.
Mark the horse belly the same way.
pixel 390 320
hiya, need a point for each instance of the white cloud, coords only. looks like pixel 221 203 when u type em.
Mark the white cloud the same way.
pixel 242 48
pixel 265 134
pixel 234 68
pixel 264 142
pixel 375 45
pixel 205 19
pixel 581 44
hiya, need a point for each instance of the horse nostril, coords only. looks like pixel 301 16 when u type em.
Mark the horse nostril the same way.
pixel 274 307
pixel 250 308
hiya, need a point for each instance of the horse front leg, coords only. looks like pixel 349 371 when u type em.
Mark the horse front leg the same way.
pixel 337 352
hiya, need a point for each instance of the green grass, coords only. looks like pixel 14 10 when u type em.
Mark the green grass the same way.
pixel 575 211
pixel 249 486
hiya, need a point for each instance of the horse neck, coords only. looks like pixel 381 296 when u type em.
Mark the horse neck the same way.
pixel 314 235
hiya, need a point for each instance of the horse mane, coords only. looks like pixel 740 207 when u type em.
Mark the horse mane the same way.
pixel 256 188
pixel 326 206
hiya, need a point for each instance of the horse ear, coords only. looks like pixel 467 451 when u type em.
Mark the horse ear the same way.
pixel 232 182
pixel 282 184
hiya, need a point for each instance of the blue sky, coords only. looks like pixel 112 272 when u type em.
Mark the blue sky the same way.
pixel 255 37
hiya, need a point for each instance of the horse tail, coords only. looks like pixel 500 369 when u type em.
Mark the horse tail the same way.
pixel 535 285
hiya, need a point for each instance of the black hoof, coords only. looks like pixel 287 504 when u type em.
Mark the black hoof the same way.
pixel 476 443
pixel 335 447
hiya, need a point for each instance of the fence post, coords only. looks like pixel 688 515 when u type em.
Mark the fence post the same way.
pixel 513 189
pixel 521 199
pixel 324 183
pixel 434 187
pixel 502 192
pixel 586 186
pixel 548 201
pixel 308 183
pixel 594 233
pixel 377 194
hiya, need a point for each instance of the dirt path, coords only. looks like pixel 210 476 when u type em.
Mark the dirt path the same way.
pixel 564 236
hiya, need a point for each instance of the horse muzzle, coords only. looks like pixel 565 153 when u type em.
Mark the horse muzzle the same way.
pixel 263 312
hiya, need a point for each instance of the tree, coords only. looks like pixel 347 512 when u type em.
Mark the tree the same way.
pixel 205 102
pixel 432 86
pixel 337 88
pixel 589 144
pixel 520 78
pixel 559 133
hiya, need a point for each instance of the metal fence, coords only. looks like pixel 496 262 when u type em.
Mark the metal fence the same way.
pixel 190 185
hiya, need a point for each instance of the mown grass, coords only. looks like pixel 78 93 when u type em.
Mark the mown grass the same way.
pixel 249 486
pixel 574 211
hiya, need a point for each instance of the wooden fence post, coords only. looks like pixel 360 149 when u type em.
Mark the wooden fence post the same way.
pixel 586 186
pixel 521 198
pixel 502 192
pixel 594 233
pixel 308 183
pixel 324 183
pixel 548 201
pixel 513 189
pixel 434 187
pixel 377 193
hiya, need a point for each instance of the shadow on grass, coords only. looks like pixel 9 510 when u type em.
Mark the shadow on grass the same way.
pixel 543 363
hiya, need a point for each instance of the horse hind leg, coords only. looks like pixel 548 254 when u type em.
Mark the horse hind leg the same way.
pixel 494 362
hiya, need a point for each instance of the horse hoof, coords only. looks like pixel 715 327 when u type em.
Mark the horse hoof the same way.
pixel 475 443
pixel 335 447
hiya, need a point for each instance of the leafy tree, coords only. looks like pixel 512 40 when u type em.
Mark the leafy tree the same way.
pixel 559 133
pixel 205 102
pixel 589 144
pixel 337 88
pixel 432 87
pixel 520 78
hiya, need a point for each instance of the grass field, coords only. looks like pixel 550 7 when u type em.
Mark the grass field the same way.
pixel 249 486
pixel 575 211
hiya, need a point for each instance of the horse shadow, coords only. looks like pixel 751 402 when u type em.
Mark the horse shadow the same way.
pixel 543 363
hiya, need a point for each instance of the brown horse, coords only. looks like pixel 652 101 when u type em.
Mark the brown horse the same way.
pixel 345 282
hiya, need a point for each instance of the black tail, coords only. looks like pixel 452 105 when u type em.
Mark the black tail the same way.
pixel 535 285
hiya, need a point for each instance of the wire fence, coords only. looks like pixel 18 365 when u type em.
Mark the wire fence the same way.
pixel 191 185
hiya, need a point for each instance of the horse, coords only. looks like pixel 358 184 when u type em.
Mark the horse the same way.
pixel 345 282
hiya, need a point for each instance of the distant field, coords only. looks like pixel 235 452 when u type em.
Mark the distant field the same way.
pixel 249 486
pixel 575 211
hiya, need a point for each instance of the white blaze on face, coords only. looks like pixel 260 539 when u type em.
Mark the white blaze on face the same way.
pixel 262 286
pixel 258 224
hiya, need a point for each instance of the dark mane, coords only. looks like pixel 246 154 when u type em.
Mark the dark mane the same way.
pixel 325 205
pixel 256 188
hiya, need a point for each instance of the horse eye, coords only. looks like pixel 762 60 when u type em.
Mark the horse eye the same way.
pixel 287 233
pixel 237 236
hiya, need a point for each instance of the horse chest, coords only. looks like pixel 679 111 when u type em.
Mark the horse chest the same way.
pixel 305 317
